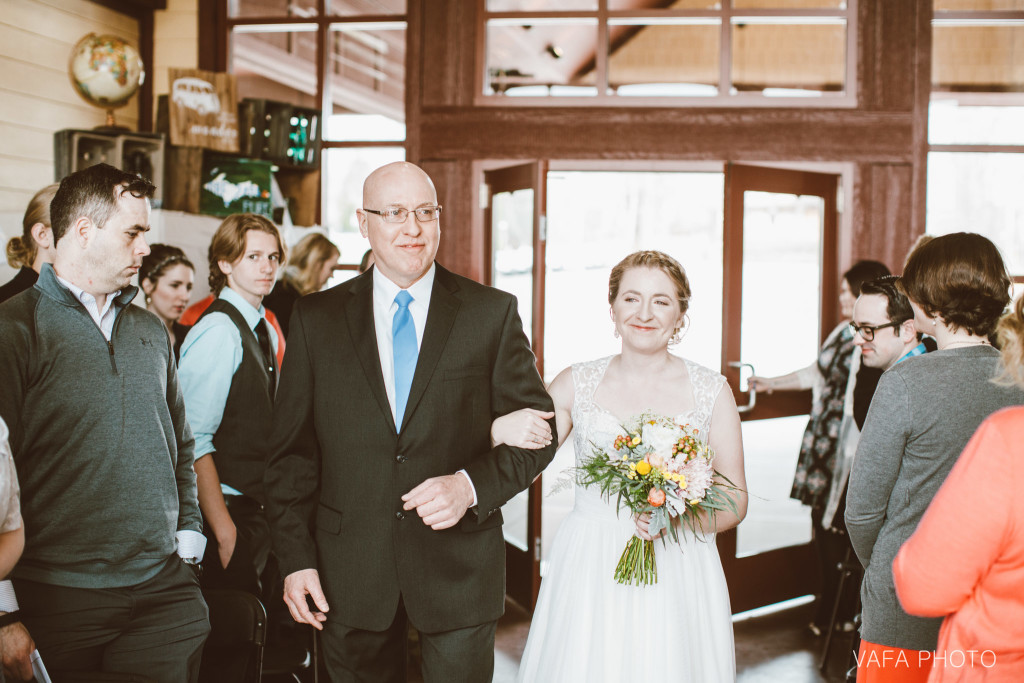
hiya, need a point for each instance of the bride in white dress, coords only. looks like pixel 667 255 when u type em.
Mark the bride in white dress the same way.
pixel 587 627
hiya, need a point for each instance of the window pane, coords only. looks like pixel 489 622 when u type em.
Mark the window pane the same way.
pixel 345 170
pixel 290 9
pixel 367 69
pixel 541 5
pixel 978 5
pixel 512 250
pixel 977 58
pixel 274 65
pixel 774 520
pixel 350 7
pixel 661 4
pixel 789 4
pixel 979 193
pixel 668 59
pixel 364 127
pixel 952 124
pixel 800 58
pixel 540 55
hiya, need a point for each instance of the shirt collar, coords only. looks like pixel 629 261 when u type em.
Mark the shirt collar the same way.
pixel 252 315
pixel 85 297
pixel 918 350
pixel 385 290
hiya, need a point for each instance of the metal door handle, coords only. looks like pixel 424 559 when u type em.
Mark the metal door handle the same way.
pixel 751 394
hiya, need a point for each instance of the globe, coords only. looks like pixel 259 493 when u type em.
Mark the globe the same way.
pixel 106 71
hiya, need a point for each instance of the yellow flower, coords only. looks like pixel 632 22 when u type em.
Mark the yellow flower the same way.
pixel 643 467
pixel 695 501
pixel 682 481
pixel 635 441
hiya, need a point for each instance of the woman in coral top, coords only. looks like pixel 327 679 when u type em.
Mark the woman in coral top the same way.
pixel 966 559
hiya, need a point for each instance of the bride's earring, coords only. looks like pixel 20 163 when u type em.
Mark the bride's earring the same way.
pixel 615 332
pixel 149 299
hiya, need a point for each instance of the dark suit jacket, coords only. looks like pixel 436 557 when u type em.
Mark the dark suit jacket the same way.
pixel 337 462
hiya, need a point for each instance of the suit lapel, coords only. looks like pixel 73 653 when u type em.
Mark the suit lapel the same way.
pixel 444 306
pixel 359 313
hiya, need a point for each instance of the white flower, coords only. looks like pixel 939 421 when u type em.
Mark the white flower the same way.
pixel 660 438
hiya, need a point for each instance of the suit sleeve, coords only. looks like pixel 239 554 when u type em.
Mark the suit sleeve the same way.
pixel 877 464
pixel 292 475
pixel 960 537
pixel 504 471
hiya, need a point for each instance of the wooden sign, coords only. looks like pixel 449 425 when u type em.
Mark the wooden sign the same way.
pixel 203 109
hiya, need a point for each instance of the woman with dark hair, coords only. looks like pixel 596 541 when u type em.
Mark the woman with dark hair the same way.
pixel 923 413
pixel 977 588
pixel 166 278
pixel 833 379
pixel 33 247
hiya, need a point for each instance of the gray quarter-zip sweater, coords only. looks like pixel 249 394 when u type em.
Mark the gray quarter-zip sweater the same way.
pixel 100 441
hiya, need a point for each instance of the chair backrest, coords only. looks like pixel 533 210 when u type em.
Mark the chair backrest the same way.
pixel 236 618
pixel 238 631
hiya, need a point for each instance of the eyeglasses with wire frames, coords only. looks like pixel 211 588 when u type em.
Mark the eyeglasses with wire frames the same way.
pixel 867 332
pixel 399 214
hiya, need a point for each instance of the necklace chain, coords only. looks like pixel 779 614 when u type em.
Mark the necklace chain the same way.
pixel 979 342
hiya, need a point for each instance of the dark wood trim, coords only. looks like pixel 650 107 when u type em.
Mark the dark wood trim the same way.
pixel 634 133
pixel 212 33
pixel 768 577
pixel 145 19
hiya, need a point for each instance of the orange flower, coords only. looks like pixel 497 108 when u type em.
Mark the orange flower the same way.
pixel 656 497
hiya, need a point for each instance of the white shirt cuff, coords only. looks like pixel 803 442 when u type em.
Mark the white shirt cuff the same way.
pixel 191 545
pixel 466 475
pixel 8 601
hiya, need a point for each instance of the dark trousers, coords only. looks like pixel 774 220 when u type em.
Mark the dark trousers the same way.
pixel 252 549
pixel 464 655
pixel 831 546
pixel 156 628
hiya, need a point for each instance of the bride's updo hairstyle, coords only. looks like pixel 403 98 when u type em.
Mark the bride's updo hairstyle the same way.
pixel 652 259
pixel 960 278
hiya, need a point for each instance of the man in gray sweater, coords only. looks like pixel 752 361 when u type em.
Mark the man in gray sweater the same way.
pixel 103 453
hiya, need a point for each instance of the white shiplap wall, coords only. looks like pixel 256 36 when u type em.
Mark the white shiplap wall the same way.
pixel 36 95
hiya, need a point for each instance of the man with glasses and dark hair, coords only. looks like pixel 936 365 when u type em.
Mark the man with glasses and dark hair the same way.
pixel 382 437
pixel 883 324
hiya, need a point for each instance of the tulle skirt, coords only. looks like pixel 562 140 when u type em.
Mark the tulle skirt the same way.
pixel 588 628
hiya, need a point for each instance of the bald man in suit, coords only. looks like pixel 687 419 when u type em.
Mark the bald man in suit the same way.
pixel 382 440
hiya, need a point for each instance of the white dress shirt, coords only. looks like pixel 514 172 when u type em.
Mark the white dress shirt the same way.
pixel 384 308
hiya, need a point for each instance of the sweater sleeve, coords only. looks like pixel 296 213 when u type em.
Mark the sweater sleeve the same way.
pixel 877 463
pixel 971 512
pixel 189 516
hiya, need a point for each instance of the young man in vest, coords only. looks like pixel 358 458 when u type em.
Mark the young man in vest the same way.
pixel 228 375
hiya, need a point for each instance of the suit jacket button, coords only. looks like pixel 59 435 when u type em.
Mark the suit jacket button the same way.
pixel 399 515
pixel 400 458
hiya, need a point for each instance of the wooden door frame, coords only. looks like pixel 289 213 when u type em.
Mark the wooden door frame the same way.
pixel 781 573
pixel 522 573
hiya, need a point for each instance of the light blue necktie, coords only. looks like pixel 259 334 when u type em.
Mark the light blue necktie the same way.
pixel 403 347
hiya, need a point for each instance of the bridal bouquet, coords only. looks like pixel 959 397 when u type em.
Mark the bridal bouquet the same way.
pixel 660 467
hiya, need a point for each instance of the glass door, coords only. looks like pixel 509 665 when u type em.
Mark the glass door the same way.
pixel 780 301
pixel 514 217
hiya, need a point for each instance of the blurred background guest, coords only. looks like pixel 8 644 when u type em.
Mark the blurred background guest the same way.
pixel 166 278
pixel 831 431
pixel 921 417
pixel 311 263
pixel 979 587
pixel 34 247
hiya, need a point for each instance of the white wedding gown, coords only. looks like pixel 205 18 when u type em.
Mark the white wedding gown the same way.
pixel 587 627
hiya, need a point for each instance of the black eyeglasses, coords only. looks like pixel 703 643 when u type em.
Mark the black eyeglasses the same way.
pixel 398 214
pixel 867 332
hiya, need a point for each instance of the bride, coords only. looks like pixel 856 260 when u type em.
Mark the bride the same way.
pixel 586 626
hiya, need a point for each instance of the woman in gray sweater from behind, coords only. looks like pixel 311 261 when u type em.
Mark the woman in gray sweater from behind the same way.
pixel 921 417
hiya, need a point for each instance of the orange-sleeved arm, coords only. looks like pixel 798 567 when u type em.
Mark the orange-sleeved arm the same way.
pixel 964 529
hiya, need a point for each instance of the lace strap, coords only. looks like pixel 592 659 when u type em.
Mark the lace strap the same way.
pixel 707 384
pixel 586 377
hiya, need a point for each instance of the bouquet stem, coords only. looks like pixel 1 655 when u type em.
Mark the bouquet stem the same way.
pixel 637 566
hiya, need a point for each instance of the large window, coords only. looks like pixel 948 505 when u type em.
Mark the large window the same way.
pixel 703 52
pixel 976 140
pixel 345 58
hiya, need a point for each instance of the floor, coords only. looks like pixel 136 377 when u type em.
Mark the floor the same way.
pixel 770 648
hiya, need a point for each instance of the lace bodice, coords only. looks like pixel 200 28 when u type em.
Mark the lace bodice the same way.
pixel 593 424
